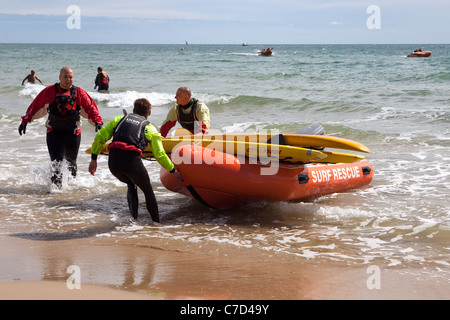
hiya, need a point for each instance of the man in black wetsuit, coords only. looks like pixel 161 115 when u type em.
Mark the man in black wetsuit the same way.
pixel 131 134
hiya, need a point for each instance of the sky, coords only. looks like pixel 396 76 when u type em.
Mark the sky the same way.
pixel 225 21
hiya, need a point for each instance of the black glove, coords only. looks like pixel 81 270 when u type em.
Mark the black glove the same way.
pixel 98 126
pixel 22 128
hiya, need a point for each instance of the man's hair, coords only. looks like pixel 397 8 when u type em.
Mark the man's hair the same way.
pixel 142 107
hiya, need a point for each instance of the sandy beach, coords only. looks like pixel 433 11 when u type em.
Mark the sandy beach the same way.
pixel 121 270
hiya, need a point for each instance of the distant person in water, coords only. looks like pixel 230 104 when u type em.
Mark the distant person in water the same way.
pixel 102 80
pixel 31 78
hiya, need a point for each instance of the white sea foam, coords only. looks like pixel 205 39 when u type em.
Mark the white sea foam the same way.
pixel 126 99
pixel 31 90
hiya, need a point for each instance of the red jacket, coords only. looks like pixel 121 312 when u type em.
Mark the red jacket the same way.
pixel 39 107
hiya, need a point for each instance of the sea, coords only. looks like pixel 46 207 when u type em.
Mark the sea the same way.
pixel 398 107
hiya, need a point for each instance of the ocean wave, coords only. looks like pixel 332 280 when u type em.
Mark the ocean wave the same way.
pixel 244 100
pixel 31 90
pixel 8 90
pixel 244 53
pixel 419 93
pixel 126 99
pixel 438 76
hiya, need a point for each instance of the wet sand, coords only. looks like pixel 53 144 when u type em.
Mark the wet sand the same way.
pixel 124 269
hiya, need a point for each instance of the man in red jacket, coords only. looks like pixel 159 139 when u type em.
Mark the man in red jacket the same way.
pixel 64 103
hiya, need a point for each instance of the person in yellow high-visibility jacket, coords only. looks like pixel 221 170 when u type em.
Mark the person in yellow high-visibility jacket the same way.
pixel 131 134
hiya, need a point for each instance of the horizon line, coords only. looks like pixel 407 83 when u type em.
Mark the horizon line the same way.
pixel 227 44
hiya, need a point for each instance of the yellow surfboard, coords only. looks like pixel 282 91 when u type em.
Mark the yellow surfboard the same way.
pixel 338 157
pixel 237 148
pixel 253 150
pixel 297 140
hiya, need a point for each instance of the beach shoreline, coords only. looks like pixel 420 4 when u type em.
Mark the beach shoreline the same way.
pixel 320 248
pixel 123 270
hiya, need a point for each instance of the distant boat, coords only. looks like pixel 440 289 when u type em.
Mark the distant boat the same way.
pixel 266 52
pixel 419 54
pixel 245 44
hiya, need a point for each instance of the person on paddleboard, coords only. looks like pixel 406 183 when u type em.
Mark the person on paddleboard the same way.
pixel 131 134
pixel 65 104
pixel 101 80
pixel 191 113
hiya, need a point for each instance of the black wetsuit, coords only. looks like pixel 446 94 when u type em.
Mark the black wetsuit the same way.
pixel 127 166
pixel 99 82
pixel 62 145
pixel 63 142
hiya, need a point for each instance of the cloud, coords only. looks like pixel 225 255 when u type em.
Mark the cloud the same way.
pixel 226 21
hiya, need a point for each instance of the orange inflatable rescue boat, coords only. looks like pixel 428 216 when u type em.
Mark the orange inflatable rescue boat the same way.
pixel 266 52
pixel 419 54
pixel 221 180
